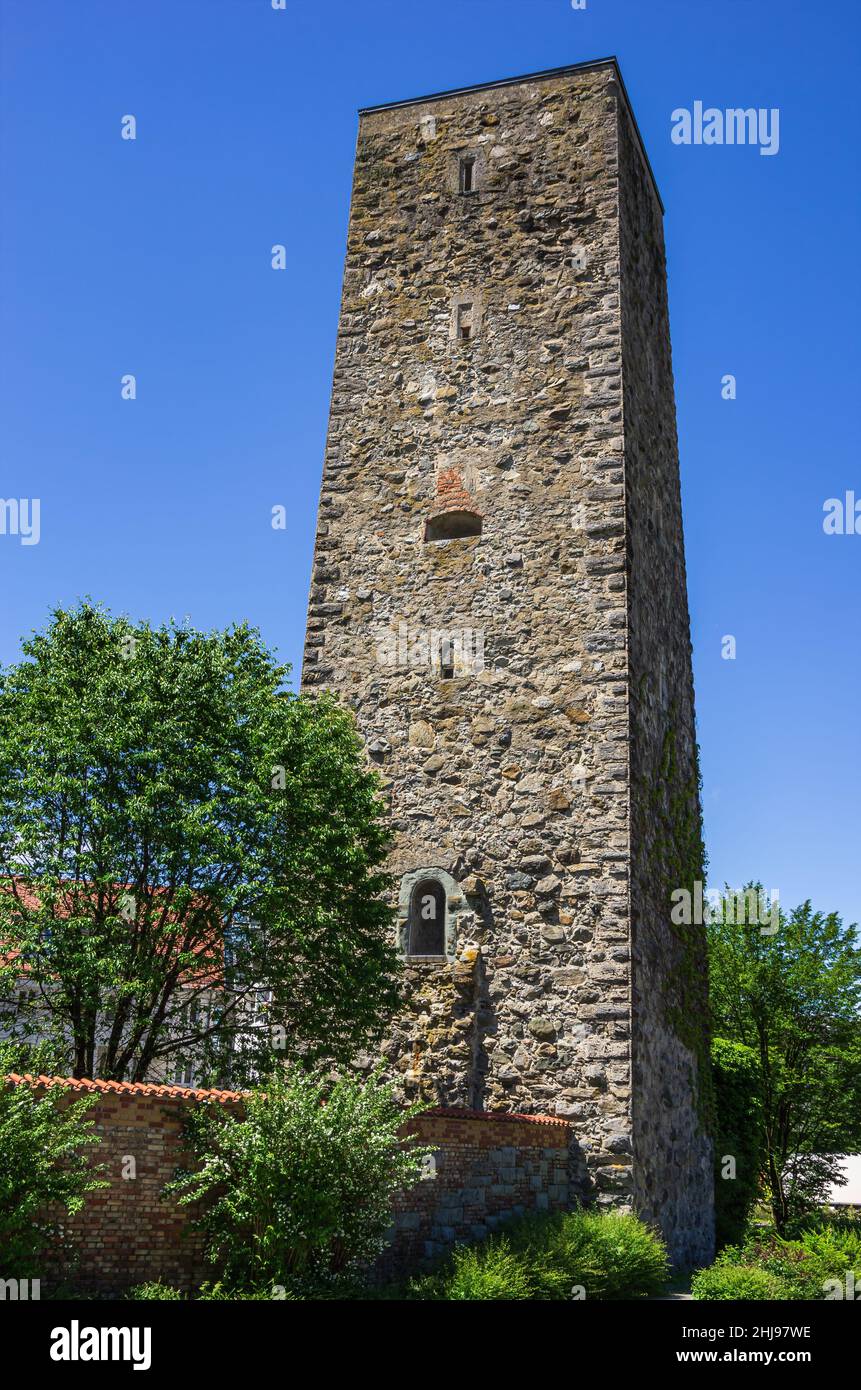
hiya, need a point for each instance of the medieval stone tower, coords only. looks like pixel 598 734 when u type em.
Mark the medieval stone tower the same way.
pixel 499 593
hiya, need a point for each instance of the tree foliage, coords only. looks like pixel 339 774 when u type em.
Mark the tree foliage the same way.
pixel 177 833
pixel 792 995
pixel 738 1104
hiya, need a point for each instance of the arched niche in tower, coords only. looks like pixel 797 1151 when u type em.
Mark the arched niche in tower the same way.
pixel 427 919
pixel 428 905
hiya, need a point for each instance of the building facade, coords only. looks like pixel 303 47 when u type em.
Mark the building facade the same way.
pixel 499 593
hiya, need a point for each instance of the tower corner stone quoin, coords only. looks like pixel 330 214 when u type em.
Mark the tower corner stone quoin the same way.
pixel 499 593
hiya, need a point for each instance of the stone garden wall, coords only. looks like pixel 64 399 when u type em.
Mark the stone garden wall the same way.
pixel 126 1234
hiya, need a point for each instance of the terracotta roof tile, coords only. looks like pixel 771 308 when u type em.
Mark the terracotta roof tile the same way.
pixel 124 1088
pixel 146 1088
pixel 456 1112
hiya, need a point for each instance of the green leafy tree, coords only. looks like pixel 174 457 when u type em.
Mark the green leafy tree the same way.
pixel 178 833
pixel 790 990
pixel 738 1105
pixel 46 1169
pixel 297 1191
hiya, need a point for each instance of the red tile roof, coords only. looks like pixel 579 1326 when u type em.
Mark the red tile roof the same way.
pixel 124 1088
pixel 30 900
pixel 145 1088
pixel 457 1112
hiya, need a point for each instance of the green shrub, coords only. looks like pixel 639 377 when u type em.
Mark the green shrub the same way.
pixel 44 1167
pixel 609 1255
pixel 726 1281
pixel 805 1267
pixel 802 1273
pixel 834 1245
pixel 738 1086
pixel 219 1292
pixel 298 1192
pixel 616 1256
pixel 847 1221
pixel 488 1272
pixel 155 1289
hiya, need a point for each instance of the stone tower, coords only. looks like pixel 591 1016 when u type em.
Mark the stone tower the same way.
pixel 499 593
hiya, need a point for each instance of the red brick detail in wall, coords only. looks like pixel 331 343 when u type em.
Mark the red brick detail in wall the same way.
pixel 451 494
pixel 485 1167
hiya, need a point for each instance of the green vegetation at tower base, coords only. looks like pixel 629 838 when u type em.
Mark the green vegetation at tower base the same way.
pixel 822 1262
pixel 565 1256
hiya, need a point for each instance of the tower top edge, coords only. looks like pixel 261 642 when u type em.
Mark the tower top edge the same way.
pixel 522 80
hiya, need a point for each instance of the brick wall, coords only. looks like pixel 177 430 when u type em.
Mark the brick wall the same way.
pixel 484 1168
pixel 126 1233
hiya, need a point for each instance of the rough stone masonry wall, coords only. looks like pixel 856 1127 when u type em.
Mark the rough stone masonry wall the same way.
pixel 512 778
pixel 672 1150
pixel 529 775
pixel 485 1168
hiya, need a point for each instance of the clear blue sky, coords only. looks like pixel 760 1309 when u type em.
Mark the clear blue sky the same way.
pixel 152 257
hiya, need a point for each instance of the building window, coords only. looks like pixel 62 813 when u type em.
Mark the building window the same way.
pixel 426 936
pixel 184 1072
pixel 467 173
pixel 446 660
pixel 452 526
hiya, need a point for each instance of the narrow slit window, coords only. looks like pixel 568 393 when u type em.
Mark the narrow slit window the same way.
pixel 446 660
pixel 467 174
pixel 464 322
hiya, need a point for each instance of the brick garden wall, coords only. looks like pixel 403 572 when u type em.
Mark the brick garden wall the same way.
pixel 485 1167
pixel 126 1234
